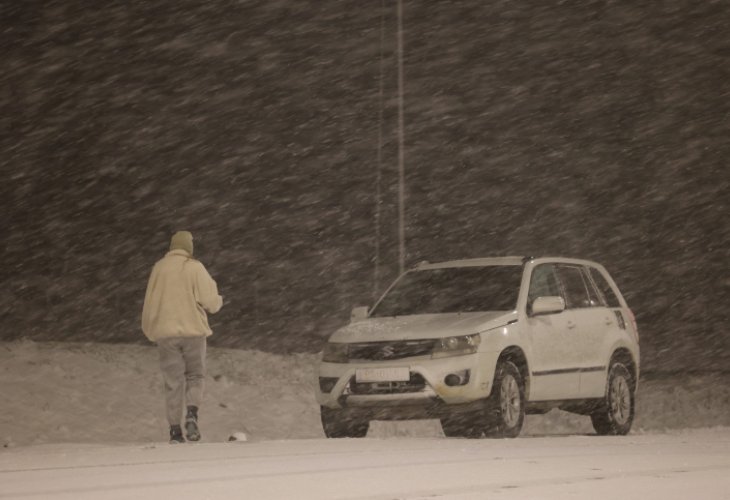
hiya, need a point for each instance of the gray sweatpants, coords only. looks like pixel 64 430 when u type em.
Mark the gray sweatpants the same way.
pixel 182 360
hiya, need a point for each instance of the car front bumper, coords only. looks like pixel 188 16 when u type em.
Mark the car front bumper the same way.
pixel 427 386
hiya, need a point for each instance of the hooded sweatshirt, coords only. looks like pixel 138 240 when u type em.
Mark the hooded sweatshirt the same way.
pixel 179 293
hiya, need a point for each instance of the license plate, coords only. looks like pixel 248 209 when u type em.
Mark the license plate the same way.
pixel 401 374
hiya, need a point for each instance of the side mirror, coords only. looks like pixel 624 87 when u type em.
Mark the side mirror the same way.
pixel 547 305
pixel 358 313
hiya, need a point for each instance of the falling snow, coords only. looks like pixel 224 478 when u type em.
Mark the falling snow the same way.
pixel 586 129
pixel 269 128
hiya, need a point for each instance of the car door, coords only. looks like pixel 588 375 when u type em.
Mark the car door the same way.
pixel 587 319
pixel 551 339
pixel 610 327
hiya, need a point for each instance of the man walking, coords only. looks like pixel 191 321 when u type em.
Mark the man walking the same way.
pixel 179 293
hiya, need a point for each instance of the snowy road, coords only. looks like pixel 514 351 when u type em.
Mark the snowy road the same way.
pixel 668 466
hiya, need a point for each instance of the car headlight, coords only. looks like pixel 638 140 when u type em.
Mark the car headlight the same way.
pixel 456 346
pixel 335 353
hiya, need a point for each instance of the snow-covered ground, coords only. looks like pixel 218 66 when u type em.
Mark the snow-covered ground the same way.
pixel 674 466
pixel 106 393
pixel 86 421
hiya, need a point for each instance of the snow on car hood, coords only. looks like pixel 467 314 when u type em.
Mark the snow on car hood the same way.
pixel 424 326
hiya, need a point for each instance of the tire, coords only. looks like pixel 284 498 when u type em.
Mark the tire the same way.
pixel 337 424
pixel 615 415
pixel 506 403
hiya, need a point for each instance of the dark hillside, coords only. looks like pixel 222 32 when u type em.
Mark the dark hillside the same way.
pixel 595 129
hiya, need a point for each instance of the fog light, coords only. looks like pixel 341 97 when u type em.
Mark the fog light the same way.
pixel 326 384
pixel 457 379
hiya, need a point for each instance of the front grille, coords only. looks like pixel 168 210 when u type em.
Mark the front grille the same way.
pixel 415 384
pixel 384 351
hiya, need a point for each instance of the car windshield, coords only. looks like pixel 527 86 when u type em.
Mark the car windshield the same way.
pixel 452 290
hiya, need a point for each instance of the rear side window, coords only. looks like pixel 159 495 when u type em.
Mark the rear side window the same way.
pixel 576 292
pixel 593 295
pixel 605 288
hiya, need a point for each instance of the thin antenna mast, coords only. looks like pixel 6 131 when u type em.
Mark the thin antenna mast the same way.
pixel 379 167
pixel 401 153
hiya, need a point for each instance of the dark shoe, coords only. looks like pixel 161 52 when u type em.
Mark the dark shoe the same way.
pixel 191 424
pixel 176 435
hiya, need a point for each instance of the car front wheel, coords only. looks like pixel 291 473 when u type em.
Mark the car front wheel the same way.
pixel 507 402
pixel 616 414
pixel 338 424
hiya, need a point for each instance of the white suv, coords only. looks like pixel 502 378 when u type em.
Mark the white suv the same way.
pixel 478 343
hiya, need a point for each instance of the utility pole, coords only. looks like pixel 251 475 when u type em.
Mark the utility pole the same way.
pixel 401 153
pixel 379 166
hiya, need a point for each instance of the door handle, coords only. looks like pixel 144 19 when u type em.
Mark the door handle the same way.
pixel 608 321
pixel 570 325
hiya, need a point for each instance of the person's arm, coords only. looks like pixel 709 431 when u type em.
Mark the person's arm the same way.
pixel 148 308
pixel 207 291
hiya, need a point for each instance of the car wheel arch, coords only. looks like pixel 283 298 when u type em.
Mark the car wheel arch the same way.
pixel 516 355
pixel 623 355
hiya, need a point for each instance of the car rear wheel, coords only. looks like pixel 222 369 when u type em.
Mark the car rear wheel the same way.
pixel 507 402
pixel 616 414
pixel 337 424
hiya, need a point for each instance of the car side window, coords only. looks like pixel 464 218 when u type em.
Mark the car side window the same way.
pixel 593 295
pixel 605 288
pixel 543 283
pixel 576 292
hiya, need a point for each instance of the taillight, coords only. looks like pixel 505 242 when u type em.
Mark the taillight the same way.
pixel 633 323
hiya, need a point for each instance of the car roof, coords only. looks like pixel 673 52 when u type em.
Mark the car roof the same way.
pixel 486 261
pixel 501 261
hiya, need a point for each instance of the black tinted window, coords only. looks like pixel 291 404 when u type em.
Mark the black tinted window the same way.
pixel 593 296
pixel 458 289
pixel 605 288
pixel 576 294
